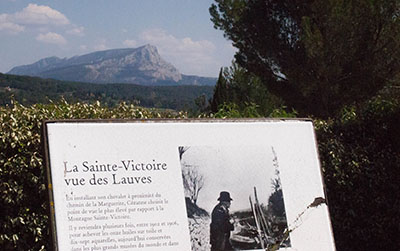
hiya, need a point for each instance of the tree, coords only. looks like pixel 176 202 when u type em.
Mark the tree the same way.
pixel 193 180
pixel 236 85
pixel 275 200
pixel 316 55
pixel 220 95
pixel 182 150
pixel 201 103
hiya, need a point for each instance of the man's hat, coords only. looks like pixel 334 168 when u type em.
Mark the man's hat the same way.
pixel 224 196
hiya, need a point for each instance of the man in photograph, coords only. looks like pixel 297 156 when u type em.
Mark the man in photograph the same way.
pixel 221 226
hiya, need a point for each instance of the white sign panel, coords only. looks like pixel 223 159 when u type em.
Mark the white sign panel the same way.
pixel 186 185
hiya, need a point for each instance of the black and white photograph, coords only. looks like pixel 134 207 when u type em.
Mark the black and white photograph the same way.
pixel 234 197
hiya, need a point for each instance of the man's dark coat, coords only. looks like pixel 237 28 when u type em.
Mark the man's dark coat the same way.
pixel 220 228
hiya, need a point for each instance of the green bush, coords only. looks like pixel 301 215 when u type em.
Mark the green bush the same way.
pixel 360 157
pixel 24 221
pixel 232 110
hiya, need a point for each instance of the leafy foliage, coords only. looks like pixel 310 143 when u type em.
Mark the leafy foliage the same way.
pixel 318 55
pixel 231 110
pixel 236 85
pixel 360 155
pixel 23 201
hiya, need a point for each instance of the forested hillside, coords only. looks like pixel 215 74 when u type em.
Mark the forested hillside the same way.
pixel 33 90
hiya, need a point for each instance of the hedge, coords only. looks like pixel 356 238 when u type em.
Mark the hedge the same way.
pixel 360 157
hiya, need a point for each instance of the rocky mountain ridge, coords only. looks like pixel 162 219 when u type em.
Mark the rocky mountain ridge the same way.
pixel 142 65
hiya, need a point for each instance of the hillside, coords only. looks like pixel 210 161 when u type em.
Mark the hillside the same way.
pixel 142 65
pixel 31 90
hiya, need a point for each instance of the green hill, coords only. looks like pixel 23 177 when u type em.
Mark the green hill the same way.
pixel 31 90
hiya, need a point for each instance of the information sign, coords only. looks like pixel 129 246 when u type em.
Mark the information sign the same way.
pixel 186 185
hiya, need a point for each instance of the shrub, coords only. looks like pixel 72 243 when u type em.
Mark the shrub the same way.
pixel 360 157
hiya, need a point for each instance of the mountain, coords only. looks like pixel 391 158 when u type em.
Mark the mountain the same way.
pixel 143 66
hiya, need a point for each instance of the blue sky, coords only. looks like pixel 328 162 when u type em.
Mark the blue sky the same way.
pixel 180 29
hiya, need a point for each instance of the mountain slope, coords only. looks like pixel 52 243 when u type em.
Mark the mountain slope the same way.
pixel 141 65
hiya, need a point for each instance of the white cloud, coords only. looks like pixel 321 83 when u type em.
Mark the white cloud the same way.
pixel 101 45
pixel 38 18
pixel 77 31
pixel 51 38
pixel 188 55
pixel 159 36
pixel 130 43
pixel 10 27
pixel 39 15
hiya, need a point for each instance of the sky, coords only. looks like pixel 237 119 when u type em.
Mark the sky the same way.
pixel 180 29
pixel 234 169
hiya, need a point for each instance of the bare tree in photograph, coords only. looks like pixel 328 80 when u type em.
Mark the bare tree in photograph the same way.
pixel 198 218
pixel 193 180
